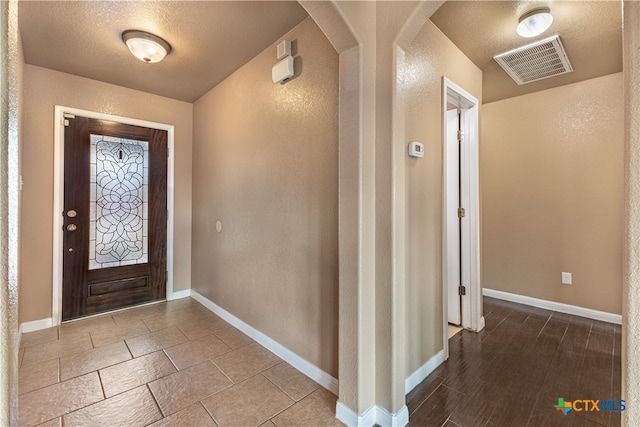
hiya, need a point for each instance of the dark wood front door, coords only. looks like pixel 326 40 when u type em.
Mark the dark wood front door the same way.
pixel 115 216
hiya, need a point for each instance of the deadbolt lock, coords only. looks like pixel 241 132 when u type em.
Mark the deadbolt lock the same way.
pixel 72 213
pixel 72 227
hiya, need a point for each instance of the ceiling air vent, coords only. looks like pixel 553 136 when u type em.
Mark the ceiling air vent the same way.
pixel 536 61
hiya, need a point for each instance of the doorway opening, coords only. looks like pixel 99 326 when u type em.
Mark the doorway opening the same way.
pixel 462 294
pixel 128 289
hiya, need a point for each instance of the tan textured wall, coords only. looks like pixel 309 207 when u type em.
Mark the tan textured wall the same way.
pixel 357 211
pixel 430 56
pixel 15 222
pixel 552 193
pixel 11 84
pixel 265 166
pixel 45 89
pixel 631 287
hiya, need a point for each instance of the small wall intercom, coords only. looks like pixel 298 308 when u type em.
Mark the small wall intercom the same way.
pixel 283 70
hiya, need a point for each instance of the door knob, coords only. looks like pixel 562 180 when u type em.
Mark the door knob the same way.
pixel 72 227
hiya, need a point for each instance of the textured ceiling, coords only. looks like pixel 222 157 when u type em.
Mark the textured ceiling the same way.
pixel 591 32
pixel 210 39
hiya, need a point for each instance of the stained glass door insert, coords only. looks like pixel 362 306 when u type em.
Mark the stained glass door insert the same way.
pixel 119 202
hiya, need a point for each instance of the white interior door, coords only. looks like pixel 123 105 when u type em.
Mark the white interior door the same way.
pixel 452 177
pixel 461 236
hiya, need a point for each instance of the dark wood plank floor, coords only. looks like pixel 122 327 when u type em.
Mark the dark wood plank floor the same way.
pixel 513 372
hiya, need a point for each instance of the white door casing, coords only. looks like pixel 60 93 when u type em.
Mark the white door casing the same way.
pixel 469 268
pixel 58 197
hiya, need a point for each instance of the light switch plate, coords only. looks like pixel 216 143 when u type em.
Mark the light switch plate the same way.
pixel 284 49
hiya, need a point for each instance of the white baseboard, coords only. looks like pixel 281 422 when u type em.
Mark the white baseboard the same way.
pixel 399 419
pixel 372 416
pixel 555 306
pixel 482 324
pixel 35 325
pixel 349 417
pixel 179 294
pixel 304 366
pixel 423 372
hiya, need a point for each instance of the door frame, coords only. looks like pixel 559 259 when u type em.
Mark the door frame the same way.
pixel 58 196
pixel 471 311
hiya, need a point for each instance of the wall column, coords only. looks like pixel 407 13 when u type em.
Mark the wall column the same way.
pixel 372 234
pixel 9 210
pixel 631 286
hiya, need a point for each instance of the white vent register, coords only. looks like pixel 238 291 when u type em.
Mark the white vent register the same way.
pixel 536 61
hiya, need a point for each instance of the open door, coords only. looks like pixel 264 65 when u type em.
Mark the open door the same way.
pixel 462 292
pixel 452 200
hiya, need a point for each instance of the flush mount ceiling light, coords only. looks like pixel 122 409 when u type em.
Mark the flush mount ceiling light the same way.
pixel 535 22
pixel 145 46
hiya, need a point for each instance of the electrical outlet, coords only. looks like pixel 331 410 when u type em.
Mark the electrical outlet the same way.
pixel 566 278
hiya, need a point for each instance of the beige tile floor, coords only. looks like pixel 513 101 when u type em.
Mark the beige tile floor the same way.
pixel 452 330
pixel 167 364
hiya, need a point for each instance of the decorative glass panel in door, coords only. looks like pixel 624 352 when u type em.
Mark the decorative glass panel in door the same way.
pixel 119 202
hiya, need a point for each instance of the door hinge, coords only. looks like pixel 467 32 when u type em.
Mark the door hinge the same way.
pixel 67 117
pixel 462 290
pixel 460 135
pixel 461 212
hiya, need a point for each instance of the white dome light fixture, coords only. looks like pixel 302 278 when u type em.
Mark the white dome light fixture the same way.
pixel 535 22
pixel 145 46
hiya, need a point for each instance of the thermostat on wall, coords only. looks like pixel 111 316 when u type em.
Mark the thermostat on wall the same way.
pixel 416 149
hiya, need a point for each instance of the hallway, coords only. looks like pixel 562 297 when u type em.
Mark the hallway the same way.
pixel 513 372
pixel 167 364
